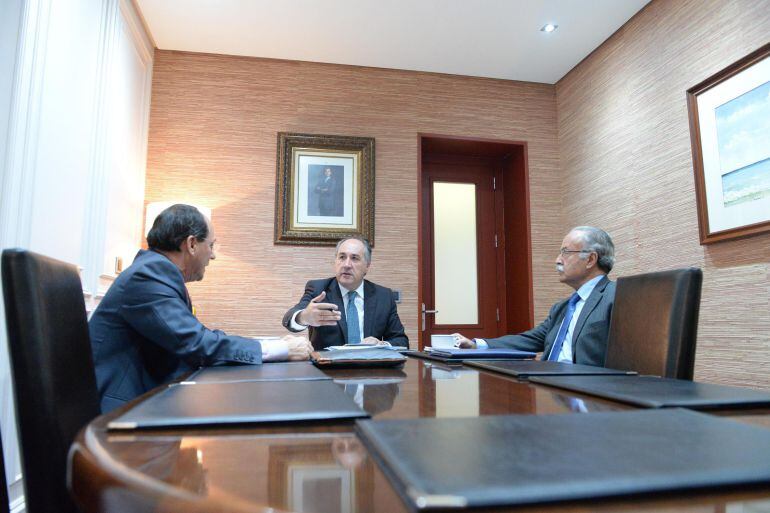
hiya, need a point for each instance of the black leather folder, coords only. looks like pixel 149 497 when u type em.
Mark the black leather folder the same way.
pixel 283 371
pixel 527 368
pixel 515 460
pixel 352 358
pixel 655 392
pixel 243 402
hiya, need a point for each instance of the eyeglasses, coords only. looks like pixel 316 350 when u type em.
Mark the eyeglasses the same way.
pixel 564 251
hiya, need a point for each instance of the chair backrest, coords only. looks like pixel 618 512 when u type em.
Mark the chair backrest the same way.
pixel 655 322
pixel 52 368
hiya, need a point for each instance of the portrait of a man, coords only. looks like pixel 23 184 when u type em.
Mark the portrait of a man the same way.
pixel 325 194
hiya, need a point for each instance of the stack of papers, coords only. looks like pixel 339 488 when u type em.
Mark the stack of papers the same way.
pixel 360 346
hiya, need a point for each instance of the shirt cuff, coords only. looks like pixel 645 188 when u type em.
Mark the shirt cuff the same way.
pixel 294 324
pixel 274 350
pixel 481 343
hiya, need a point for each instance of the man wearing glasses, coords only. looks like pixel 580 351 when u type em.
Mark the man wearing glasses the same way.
pixel 576 328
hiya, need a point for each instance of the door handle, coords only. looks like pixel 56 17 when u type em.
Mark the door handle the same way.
pixel 424 311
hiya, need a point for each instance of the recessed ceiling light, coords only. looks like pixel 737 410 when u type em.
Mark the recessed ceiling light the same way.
pixel 549 27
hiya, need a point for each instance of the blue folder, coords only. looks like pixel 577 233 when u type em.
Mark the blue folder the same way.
pixel 453 353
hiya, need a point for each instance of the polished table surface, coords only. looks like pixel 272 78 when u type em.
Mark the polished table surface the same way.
pixel 323 467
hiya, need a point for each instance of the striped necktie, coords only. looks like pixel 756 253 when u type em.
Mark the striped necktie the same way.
pixel 556 348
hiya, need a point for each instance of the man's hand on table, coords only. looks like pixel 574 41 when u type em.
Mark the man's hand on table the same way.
pixel 299 347
pixel 462 342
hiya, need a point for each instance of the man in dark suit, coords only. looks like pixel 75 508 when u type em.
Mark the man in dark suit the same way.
pixel 144 333
pixel 347 309
pixel 576 329
pixel 327 194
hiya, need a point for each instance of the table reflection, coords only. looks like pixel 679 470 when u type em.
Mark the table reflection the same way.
pixel 323 467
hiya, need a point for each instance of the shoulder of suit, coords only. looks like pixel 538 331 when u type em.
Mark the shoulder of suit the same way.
pixel 373 286
pixel 152 265
pixel 606 283
pixel 321 284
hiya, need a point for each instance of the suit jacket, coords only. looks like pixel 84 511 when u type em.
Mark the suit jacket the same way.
pixel 589 341
pixel 380 315
pixel 143 333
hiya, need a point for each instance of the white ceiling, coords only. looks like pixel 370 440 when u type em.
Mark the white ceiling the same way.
pixel 483 38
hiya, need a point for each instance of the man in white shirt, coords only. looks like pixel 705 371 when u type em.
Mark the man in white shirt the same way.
pixel 347 309
pixel 576 328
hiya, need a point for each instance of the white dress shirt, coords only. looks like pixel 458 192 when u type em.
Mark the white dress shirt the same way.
pixel 274 350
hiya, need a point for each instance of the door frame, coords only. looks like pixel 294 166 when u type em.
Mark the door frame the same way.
pixel 516 181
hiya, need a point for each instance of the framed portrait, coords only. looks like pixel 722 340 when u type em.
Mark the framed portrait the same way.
pixel 730 133
pixel 324 188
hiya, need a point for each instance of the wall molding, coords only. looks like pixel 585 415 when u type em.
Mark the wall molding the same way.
pixel 19 171
pixel 16 196
pixel 95 218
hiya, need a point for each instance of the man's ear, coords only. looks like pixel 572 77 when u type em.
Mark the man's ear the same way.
pixel 592 260
pixel 189 244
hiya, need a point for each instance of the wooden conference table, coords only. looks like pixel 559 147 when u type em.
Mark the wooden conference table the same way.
pixel 323 467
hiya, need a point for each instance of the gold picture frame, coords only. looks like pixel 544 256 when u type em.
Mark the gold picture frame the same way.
pixel 324 188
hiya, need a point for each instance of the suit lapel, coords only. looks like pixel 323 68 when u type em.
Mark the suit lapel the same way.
pixel 589 307
pixel 370 306
pixel 333 296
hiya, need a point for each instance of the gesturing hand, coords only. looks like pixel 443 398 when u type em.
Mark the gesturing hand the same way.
pixel 317 313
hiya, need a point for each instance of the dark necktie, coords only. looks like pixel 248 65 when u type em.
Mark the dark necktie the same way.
pixel 556 349
pixel 354 330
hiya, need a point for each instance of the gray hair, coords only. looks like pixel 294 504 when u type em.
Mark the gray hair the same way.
pixel 596 239
pixel 367 246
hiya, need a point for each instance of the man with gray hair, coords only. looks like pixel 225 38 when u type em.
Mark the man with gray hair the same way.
pixel 347 309
pixel 576 328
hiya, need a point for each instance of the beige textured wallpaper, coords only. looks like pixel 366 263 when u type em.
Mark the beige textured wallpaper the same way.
pixel 622 162
pixel 213 127
pixel 624 146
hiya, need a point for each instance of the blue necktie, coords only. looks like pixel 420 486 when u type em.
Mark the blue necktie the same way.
pixel 354 330
pixel 556 349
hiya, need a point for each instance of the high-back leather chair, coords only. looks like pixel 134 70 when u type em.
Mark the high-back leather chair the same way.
pixel 52 368
pixel 654 323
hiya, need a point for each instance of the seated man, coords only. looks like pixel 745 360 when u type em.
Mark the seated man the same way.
pixel 370 318
pixel 144 333
pixel 576 329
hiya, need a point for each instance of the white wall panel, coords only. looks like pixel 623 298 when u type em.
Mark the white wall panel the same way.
pixel 130 96
pixel 66 129
pixel 74 157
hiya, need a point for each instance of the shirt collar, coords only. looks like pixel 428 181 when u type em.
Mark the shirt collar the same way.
pixel 585 289
pixel 359 290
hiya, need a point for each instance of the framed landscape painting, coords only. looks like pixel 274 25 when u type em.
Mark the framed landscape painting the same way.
pixel 324 188
pixel 730 133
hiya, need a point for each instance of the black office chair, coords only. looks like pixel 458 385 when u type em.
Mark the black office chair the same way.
pixel 52 368
pixel 654 323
